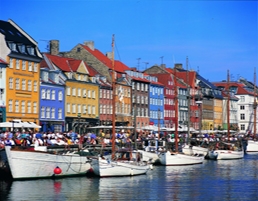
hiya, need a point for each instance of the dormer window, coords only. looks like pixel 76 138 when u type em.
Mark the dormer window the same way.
pixel 21 48
pixel 56 78
pixel 30 50
pixel 94 80
pixel 45 76
pixel 12 46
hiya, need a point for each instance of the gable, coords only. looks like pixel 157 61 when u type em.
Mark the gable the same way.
pixel 82 69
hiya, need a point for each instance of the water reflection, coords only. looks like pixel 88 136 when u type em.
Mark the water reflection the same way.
pixel 213 180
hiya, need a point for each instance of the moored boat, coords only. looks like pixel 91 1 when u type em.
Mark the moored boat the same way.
pixel 115 164
pixel 177 159
pixel 193 150
pixel 252 146
pixel 28 163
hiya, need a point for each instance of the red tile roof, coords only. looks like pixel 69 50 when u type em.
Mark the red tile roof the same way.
pixel 65 64
pixel 118 66
pixel 240 87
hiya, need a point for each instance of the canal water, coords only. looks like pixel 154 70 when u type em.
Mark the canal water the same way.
pixel 212 180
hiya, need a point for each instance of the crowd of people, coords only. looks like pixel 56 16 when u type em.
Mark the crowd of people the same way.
pixel 122 138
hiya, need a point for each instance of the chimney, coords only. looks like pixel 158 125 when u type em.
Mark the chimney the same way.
pixel 179 66
pixel 90 44
pixel 109 55
pixel 54 47
pixel 163 66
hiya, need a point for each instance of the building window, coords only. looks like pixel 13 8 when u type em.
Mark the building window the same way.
pixel 53 113
pixel 89 109
pixel 48 94
pixel 74 92
pixel 68 91
pixel 23 107
pixel 16 106
pixel 93 94
pixel 48 112
pixel 10 83
pixel 30 66
pixel 79 92
pixel 29 107
pixel 242 116
pixel 79 109
pixel 242 99
pixel 23 84
pixel 35 67
pixel 84 109
pixel 53 94
pixel 100 93
pixel 43 93
pixel 74 108
pixel 35 86
pixel 242 107
pixel 68 107
pixel 42 112
pixel 60 95
pixel 35 108
pixel 10 105
pixel 89 94
pixel 17 83
pixel 17 64
pixel 242 127
pixel 29 85
pixel 84 93
pixel 23 65
pixel 93 109
pixel 11 63
pixel 100 109
pixel 59 113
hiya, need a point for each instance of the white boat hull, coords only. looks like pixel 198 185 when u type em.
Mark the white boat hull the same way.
pixel 252 146
pixel 108 168
pixel 150 157
pixel 192 150
pixel 228 154
pixel 177 159
pixel 34 164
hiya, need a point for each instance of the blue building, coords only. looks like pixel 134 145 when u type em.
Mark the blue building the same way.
pixel 52 99
pixel 156 101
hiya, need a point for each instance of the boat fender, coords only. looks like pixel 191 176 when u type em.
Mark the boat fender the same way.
pixel 57 170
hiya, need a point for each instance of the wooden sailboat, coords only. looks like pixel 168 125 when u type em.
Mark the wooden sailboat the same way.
pixel 114 164
pixel 188 148
pixel 175 158
pixel 252 144
pixel 230 150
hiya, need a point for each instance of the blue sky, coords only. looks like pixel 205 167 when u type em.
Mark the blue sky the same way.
pixel 216 36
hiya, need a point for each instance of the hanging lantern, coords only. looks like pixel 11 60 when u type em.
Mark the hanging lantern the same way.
pixel 57 170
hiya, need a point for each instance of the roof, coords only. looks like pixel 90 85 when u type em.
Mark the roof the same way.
pixel 13 34
pixel 241 89
pixel 118 66
pixel 65 64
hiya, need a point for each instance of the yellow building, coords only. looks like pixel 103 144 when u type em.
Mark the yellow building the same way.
pixel 22 74
pixel 218 111
pixel 82 93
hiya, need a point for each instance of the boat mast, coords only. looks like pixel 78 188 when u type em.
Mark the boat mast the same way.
pixel 113 100
pixel 176 111
pixel 188 102
pixel 228 112
pixel 255 104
